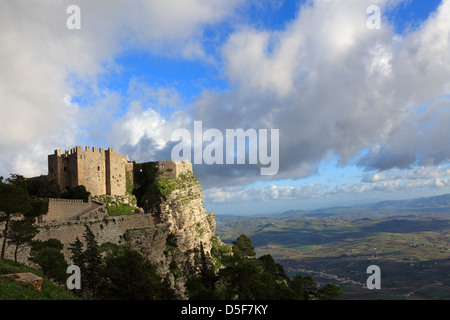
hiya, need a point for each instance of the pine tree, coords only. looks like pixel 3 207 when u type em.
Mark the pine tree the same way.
pixel 77 253
pixel 13 200
pixel 21 232
pixel 93 263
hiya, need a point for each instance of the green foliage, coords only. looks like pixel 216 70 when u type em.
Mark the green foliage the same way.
pixel 304 287
pixel 128 182
pixel 243 246
pixel 124 274
pixel 48 255
pixel 150 189
pixel 118 205
pixel 11 289
pixel 92 263
pixel 14 200
pixel 21 232
pixel 77 253
pixel 244 277
pixel 202 278
pixel 166 186
pixel 41 187
pixel 77 192
pixel 146 190
pixel 121 209
pixel 129 276
pixel 329 292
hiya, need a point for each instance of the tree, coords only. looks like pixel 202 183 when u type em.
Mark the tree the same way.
pixel 330 292
pixel 13 200
pixel 78 259
pixel 48 255
pixel 129 276
pixel 310 287
pixel 41 187
pixel 297 286
pixel 201 282
pixel 93 263
pixel 22 232
pixel 242 246
pixel 77 253
pixel 241 279
pixel 77 192
pixel 270 266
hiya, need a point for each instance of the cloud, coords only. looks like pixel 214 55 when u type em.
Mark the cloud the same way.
pixel 50 95
pixel 331 85
pixel 417 173
pixel 390 181
pixel 327 82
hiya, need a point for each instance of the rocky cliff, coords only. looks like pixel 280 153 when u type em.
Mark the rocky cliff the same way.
pixel 168 235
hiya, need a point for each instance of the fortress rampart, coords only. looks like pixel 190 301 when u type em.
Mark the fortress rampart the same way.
pixel 72 209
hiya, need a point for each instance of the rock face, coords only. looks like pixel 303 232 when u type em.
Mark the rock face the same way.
pixel 27 277
pixel 168 236
pixel 181 224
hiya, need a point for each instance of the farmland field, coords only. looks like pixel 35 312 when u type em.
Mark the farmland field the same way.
pixel 413 252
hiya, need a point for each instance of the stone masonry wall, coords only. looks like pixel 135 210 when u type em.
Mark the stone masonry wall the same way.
pixel 110 229
pixel 61 209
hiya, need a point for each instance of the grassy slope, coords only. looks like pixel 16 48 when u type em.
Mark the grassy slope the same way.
pixel 11 289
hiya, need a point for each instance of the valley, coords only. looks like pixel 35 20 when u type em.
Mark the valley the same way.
pixel 412 250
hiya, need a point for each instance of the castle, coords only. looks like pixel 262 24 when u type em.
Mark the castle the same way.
pixel 102 171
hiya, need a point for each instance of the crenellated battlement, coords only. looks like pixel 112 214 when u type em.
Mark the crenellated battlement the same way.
pixel 78 149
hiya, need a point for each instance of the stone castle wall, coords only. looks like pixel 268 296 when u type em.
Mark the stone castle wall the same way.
pixel 102 171
pixel 109 229
pixel 167 168
pixel 61 209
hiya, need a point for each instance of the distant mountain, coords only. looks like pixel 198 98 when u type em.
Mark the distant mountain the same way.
pixel 436 205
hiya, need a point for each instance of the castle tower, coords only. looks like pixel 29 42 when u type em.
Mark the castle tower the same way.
pixel 100 171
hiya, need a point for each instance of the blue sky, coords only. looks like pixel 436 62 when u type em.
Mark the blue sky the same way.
pixel 363 114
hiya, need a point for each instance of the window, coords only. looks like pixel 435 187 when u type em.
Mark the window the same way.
pixel 98 168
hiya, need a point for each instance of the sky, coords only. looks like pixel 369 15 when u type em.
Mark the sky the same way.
pixel 360 98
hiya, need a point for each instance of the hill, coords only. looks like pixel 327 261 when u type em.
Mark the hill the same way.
pixel 11 289
pixel 429 206
pixel 409 240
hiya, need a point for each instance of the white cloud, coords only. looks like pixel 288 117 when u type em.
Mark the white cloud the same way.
pixel 329 84
pixel 332 85
pixel 42 63
pixel 417 173
pixel 418 179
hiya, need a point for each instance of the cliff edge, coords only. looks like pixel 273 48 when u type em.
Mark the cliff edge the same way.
pixel 169 234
